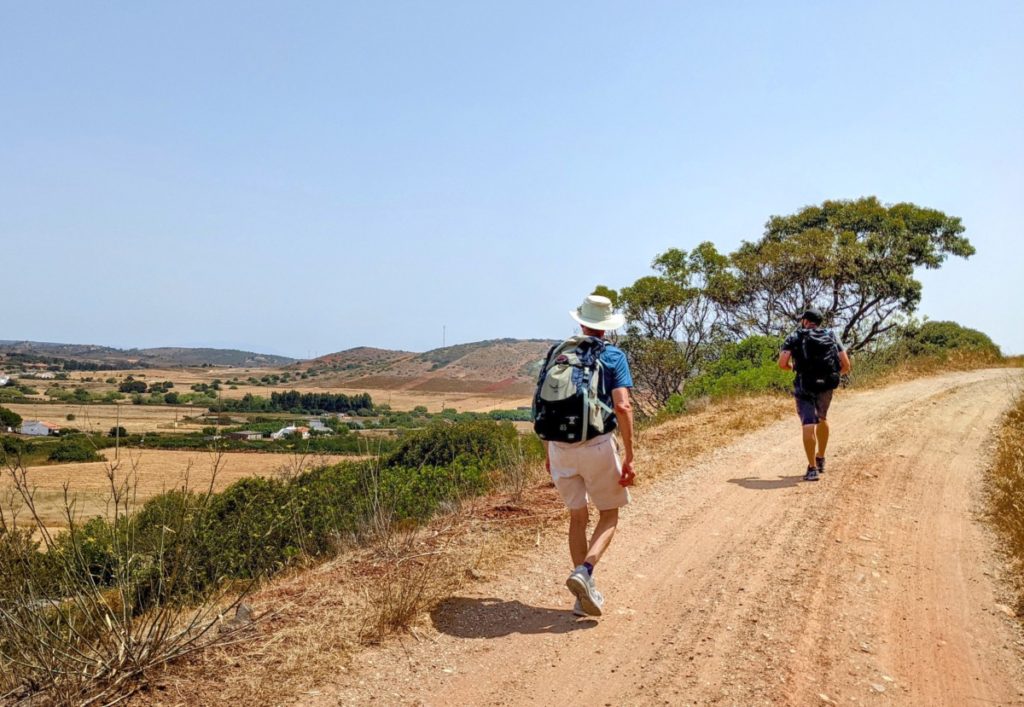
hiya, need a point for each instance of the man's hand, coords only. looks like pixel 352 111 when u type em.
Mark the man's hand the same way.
pixel 627 474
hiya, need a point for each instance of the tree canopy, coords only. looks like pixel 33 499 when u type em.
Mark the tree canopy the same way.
pixel 853 260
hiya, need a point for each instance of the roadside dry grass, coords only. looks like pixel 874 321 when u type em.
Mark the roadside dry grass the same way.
pixel 1007 491
pixel 311 623
pixel 661 448
pixel 869 373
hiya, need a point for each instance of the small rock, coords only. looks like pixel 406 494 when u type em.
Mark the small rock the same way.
pixel 888 678
pixel 877 688
pixel 1005 609
pixel 865 648
pixel 825 698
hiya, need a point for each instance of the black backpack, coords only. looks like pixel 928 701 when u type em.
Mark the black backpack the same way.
pixel 566 405
pixel 817 362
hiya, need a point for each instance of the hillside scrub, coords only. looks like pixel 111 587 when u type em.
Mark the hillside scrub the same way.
pixel 749 367
pixel 1007 490
pixel 186 551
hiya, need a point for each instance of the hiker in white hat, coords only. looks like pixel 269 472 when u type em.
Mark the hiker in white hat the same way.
pixel 582 398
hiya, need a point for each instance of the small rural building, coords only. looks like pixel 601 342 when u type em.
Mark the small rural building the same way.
pixel 247 435
pixel 4 380
pixel 303 432
pixel 317 425
pixel 38 428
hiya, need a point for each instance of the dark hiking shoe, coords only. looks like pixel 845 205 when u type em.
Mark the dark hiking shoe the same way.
pixel 812 474
pixel 820 463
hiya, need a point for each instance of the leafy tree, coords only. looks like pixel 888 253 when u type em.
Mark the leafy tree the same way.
pixel 132 386
pixel 672 318
pixel 853 260
pixel 117 431
pixel 9 418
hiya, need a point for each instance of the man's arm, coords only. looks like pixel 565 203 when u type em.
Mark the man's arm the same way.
pixel 786 360
pixel 844 363
pixel 624 416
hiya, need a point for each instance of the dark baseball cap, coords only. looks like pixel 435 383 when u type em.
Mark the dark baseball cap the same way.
pixel 812 315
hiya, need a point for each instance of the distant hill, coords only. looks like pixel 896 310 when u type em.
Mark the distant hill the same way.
pixel 137 358
pixel 498 366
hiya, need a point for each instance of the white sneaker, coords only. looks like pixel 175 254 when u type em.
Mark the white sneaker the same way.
pixel 581 584
pixel 577 609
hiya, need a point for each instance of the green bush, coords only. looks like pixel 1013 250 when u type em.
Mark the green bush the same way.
pixel 747 366
pixel 443 443
pixel 9 418
pixel 74 449
pixel 248 529
pixel 947 335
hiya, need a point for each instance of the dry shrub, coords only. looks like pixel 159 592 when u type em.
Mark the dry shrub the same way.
pixel 1007 498
pixel 711 423
pixel 84 620
pixel 519 466
pixel 875 371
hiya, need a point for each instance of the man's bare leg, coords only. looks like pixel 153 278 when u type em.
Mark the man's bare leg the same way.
pixel 822 434
pixel 602 537
pixel 809 443
pixel 578 519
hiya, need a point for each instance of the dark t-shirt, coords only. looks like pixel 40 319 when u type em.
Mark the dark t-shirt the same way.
pixel 792 344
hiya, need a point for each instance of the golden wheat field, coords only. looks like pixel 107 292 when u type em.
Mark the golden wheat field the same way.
pixel 151 472
pixel 100 418
pixel 399 398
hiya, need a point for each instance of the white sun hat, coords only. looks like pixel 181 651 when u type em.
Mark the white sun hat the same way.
pixel 597 312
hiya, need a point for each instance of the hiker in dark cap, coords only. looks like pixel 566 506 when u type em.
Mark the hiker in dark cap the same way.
pixel 819 359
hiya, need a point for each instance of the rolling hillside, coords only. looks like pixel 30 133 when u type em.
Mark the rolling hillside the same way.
pixel 138 358
pixel 499 366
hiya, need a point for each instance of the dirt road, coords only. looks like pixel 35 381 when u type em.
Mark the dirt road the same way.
pixel 731 582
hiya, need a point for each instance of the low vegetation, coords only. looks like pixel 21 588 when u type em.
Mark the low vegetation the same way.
pixel 136 577
pixel 1007 490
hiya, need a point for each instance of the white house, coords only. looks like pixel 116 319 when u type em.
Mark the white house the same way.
pixel 318 425
pixel 4 380
pixel 303 432
pixel 38 428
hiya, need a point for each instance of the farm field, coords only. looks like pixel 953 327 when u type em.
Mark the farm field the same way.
pixel 100 418
pixel 397 399
pixel 155 471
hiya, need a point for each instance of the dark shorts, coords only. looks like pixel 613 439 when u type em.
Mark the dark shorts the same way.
pixel 813 407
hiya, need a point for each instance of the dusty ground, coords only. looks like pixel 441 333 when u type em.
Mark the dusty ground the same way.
pixel 731 582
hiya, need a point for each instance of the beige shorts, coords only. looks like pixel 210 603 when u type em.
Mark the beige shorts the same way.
pixel 588 471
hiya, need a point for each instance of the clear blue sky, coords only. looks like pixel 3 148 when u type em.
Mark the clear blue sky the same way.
pixel 300 178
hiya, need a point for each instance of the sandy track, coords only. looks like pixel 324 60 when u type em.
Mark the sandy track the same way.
pixel 731 582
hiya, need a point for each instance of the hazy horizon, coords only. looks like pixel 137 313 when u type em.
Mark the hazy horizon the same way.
pixel 303 180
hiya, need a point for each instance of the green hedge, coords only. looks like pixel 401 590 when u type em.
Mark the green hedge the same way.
pixel 182 544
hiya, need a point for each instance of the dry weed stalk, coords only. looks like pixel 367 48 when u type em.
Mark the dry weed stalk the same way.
pixel 74 632
pixel 1007 498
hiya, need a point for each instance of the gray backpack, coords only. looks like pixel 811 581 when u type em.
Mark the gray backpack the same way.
pixel 567 406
